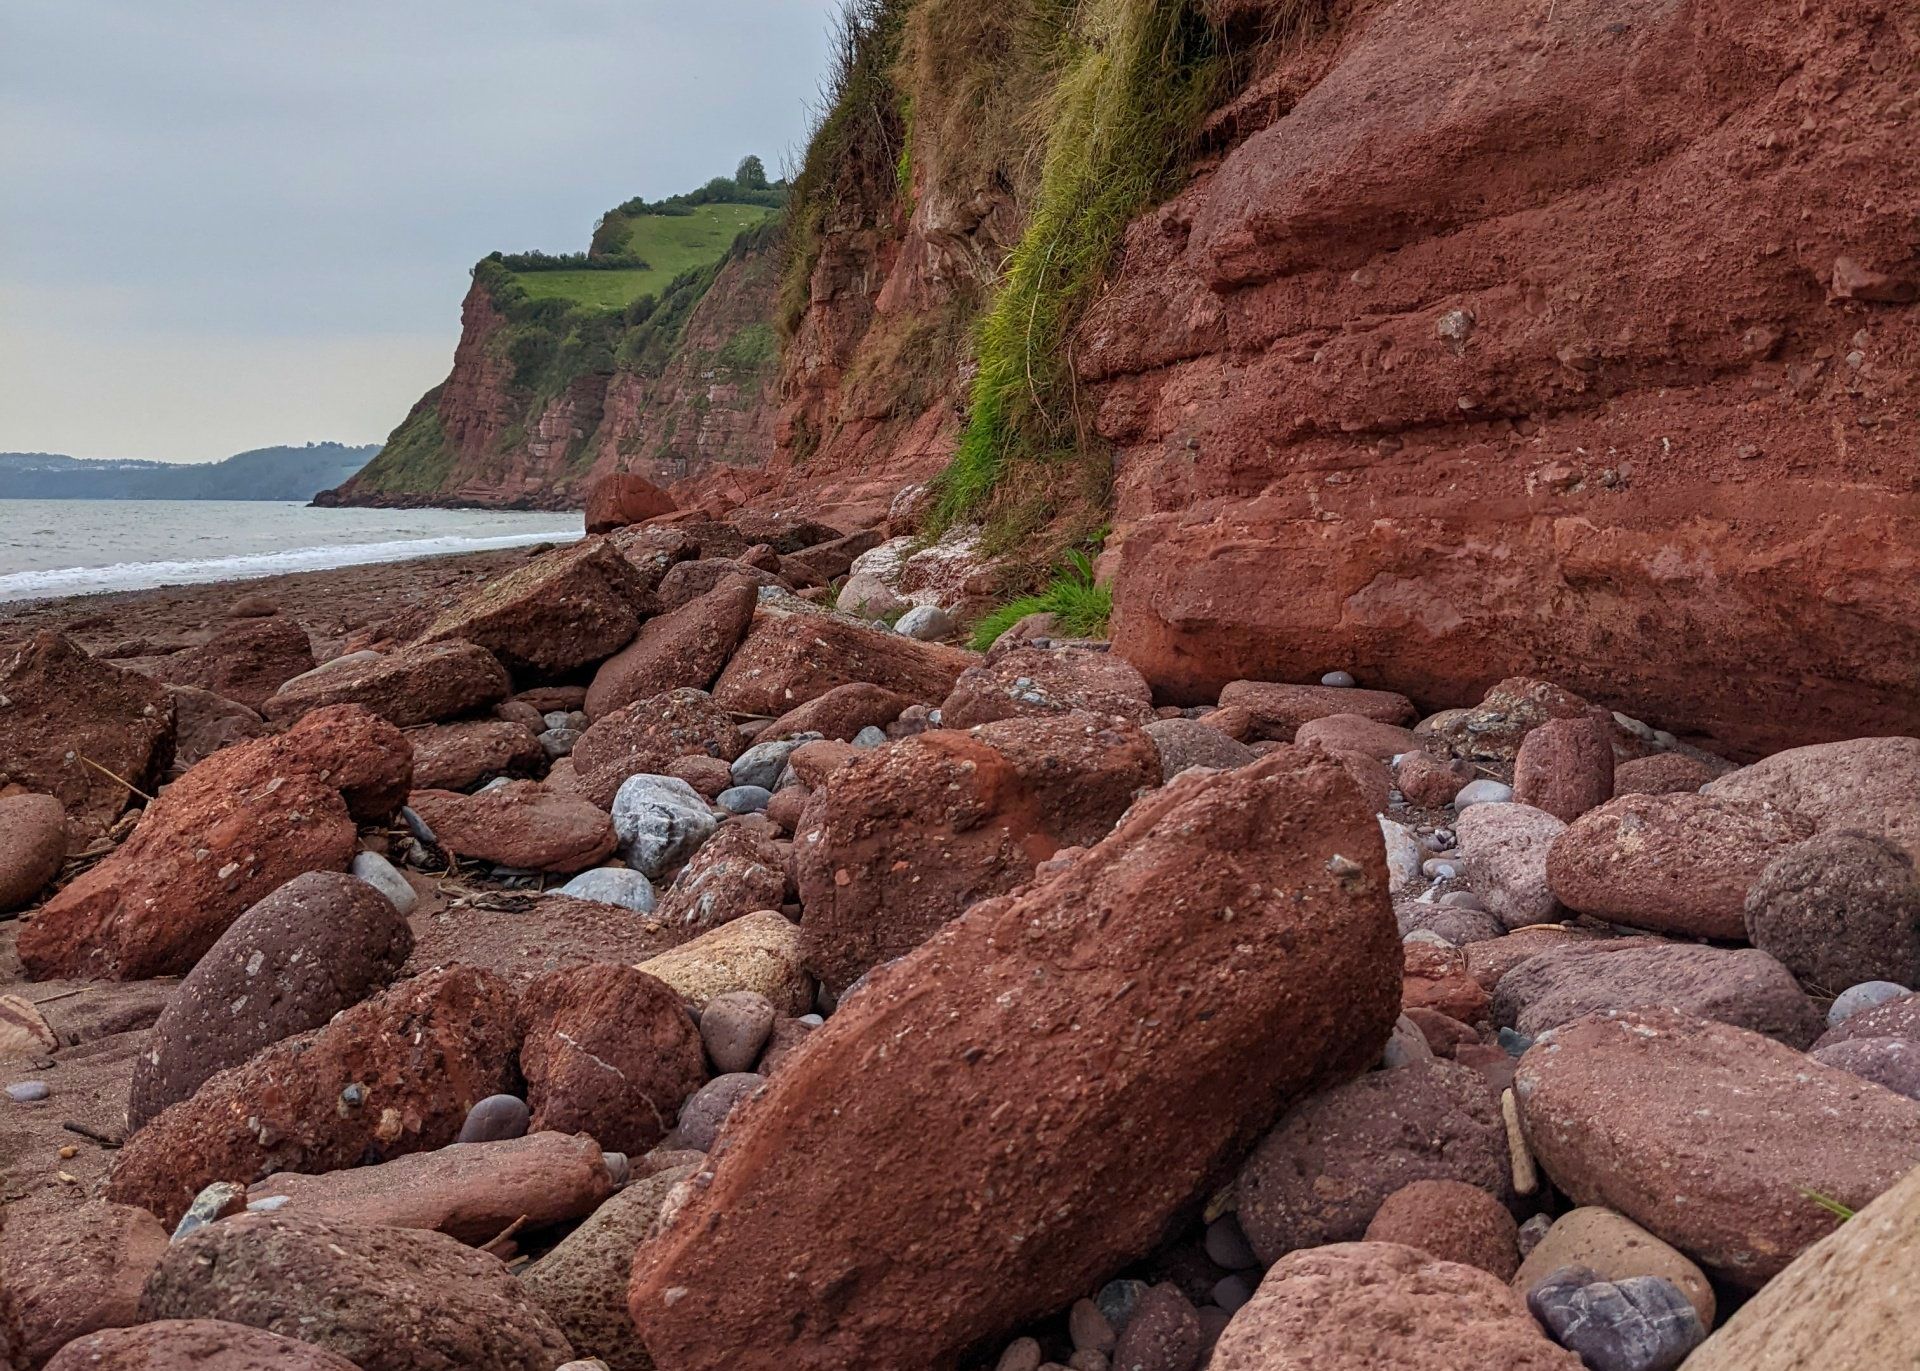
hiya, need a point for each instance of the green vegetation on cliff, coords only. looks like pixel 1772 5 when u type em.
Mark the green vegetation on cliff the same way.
pixel 1135 78
pixel 1084 113
pixel 666 244
pixel 416 458
pixel 621 306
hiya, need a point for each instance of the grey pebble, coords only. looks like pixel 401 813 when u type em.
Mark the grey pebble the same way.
pixel 28 1092
pixel 1337 678
pixel 1118 1299
pixel 870 737
pixel 495 1119
pixel 1482 792
pixel 382 875
pixel 928 623
pixel 216 1201
pixel 1227 1245
pixel 744 799
pixel 1865 995
pixel 619 885
pixel 1230 1292
pixel 1641 1323
pixel 762 763
pixel 417 826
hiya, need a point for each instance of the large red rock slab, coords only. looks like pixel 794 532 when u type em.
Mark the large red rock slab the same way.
pixel 223 837
pixel 1661 774
pixel 520 824
pixel 456 756
pixel 792 656
pixel 1034 682
pixel 320 943
pixel 33 846
pixel 161 900
pixel 784 531
pixel 1321 1175
pixel 646 737
pixel 1112 1012
pixel 685 582
pixel 77 1269
pixel 1869 784
pixel 903 838
pixel 1674 863
pixel 685 647
pixel 565 610
pixel 1278 709
pixel 413 685
pixel 1738 986
pixel 829 561
pixel 624 497
pixel 1709 1136
pixel 1382 1306
pixel 204 722
pixel 194 1345
pixel 1478 484
pixel 521 937
pixel 247 660
pixel 582 1282
pixel 386 1299
pixel 1357 733
pixel 840 713
pixel 391 1075
pixel 64 710
pixel 472 1191
pixel 1841 1305
pixel 609 1051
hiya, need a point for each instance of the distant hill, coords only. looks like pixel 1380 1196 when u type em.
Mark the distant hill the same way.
pixel 267 473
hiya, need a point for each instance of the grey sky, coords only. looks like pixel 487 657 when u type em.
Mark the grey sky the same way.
pixel 232 223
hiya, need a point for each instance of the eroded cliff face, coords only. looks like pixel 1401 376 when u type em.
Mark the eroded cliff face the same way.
pixel 712 407
pixel 1573 340
pixel 481 440
pixel 875 373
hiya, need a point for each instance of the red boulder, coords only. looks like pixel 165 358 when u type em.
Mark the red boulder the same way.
pixel 623 497
pixel 1092 1055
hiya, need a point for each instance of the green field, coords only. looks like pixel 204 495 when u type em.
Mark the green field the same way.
pixel 668 243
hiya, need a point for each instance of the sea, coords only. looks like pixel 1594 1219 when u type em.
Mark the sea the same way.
pixel 84 547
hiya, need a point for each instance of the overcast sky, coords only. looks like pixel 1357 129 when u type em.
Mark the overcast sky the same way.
pixel 231 223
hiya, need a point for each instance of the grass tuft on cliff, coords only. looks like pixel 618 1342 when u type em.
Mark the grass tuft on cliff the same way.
pixel 1080 605
pixel 1136 77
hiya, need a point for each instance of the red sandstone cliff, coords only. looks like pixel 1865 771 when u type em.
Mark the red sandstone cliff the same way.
pixel 1573 339
pixel 480 440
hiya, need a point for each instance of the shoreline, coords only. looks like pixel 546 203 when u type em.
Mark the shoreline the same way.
pixel 331 602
